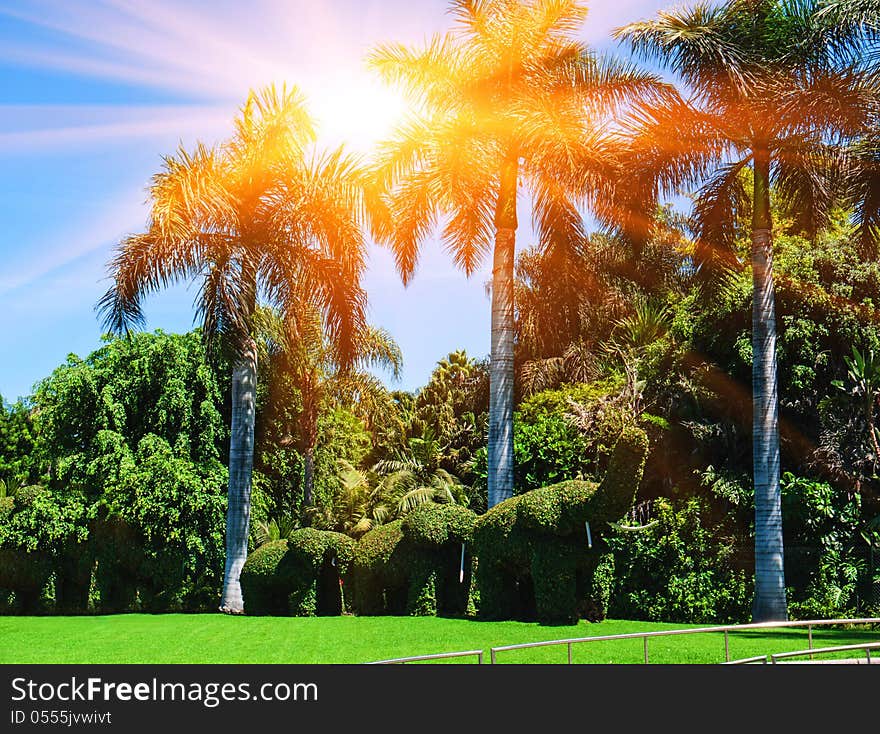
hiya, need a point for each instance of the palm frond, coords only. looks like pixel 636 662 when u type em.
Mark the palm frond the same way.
pixel 415 498
pixel 691 41
pixel 805 175
pixel 427 75
pixel 273 126
pixel 719 203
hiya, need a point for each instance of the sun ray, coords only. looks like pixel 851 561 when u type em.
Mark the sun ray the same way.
pixel 40 128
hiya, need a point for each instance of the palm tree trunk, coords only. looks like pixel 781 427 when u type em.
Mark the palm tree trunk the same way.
pixel 769 602
pixel 501 368
pixel 241 462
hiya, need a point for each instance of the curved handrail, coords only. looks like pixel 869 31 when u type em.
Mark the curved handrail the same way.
pixel 434 656
pixel 726 629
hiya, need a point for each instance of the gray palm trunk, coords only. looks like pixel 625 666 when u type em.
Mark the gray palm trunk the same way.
pixel 501 367
pixel 769 602
pixel 241 462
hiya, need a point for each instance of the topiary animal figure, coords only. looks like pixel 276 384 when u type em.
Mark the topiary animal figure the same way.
pixel 303 576
pixel 419 565
pixel 535 551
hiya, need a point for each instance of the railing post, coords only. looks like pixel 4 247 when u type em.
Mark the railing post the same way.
pixel 480 658
pixel 726 648
pixel 492 656
pixel 646 648
pixel 868 653
pixel 569 653
pixel 810 638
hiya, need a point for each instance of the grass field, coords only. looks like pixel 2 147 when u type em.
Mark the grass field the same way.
pixel 215 638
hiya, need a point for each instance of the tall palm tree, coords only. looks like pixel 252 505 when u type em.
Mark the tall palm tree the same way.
pixel 255 216
pixel 508 101
pixel 307 361
pixel 767 94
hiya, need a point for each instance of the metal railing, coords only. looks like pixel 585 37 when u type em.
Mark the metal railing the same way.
pixel 867 647
pixel 435 656
pixel 725 629
pixel 743 661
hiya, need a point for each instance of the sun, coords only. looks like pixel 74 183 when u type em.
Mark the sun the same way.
pixel 354 109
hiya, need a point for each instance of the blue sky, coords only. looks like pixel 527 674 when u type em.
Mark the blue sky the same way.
pixel 94 92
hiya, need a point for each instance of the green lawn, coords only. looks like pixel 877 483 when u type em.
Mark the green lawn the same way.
pixel 215 638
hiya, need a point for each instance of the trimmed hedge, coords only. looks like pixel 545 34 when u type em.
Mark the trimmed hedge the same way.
pixel 532 548
pixel 412 566
pixel 302 576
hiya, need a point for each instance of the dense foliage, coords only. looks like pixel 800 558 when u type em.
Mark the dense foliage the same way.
pixel 132 510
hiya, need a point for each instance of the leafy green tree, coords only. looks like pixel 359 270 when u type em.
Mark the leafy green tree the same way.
pixel 449 413
pixel 767 94
pixel 148 384
pixel 19 461
pixel 255 216
pixel 568 304
pixel 510 100
pixel 176 509
pixel 863 384
pixel 135 435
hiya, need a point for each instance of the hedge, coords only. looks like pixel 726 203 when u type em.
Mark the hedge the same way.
pixel 304 575
pixel 413 566
pixel 534 558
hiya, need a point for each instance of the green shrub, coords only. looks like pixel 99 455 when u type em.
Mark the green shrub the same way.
pixel 825 553
pixel 264 584
pixel 41 533
pixel 380 570
pixel 679 570
pixel 25 573
pixel 432 525
pixel 321 562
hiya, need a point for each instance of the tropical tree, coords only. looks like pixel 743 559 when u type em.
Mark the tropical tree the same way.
pixel 508 101
pixel 770 97
pixel 255 216
pixel 392 488
pixel 307 362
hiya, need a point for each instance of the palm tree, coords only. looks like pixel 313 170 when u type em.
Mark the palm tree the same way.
pixel 393 487
pixel 253 217
pixel 508 100
pixel 769 95
pixel 308 363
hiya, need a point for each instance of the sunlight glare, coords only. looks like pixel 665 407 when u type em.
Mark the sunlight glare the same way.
pixel 354 109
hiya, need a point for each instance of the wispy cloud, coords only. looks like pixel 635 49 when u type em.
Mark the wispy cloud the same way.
pixel 56 250
pixel 28 128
